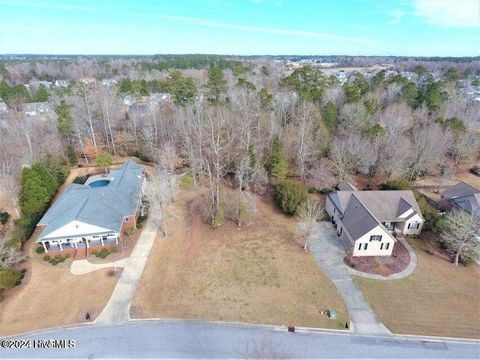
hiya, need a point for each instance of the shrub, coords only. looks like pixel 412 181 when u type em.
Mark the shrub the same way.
pixel 141 219
pixel 290 196
pixel 46 258
pixel 10 278
pixel 140 154
pixel 40 249
pixel 79 180
pixel 397 184
pixel 4 216
pixel 93 252
pixel 104 161
pixel 433 220
pixel 67 256
pixel 186 181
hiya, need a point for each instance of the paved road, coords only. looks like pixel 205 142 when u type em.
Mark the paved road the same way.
pixel 329 251
pixel 118 307
pixel 195 340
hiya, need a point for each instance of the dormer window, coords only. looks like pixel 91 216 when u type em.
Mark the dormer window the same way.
pixel 413 225
pixel 376 238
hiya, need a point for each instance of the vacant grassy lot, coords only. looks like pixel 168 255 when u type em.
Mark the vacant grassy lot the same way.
pixel 256 274
pixel 437 299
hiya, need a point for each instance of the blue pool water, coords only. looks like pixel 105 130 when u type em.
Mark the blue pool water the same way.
pixel 99 183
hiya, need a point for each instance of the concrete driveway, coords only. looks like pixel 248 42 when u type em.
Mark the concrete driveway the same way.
pixel 329 250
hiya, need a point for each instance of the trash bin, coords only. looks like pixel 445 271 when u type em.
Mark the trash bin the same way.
pixel 332 314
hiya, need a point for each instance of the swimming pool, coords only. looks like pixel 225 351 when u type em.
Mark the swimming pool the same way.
pixel 99 183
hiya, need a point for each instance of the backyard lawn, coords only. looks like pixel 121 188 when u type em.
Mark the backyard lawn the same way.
pixel 437 299
pixel 256 274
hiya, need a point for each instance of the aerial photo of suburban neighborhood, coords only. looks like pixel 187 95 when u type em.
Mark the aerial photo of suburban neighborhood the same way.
pixel 237 179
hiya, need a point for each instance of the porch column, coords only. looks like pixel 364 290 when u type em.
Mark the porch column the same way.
pixel 86 242
pixel 116 240
pixel 101 240
pixel 60 244
pixel 75 244
pixel 44 246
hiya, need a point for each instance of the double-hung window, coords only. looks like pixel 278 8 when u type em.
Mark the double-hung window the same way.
pixel 413 225
pixel 376 238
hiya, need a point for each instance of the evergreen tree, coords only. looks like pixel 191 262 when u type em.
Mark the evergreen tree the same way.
pixel 309 83
pixel 42 93
pixel 290 196
pixel 64 118
pixel 330 114
pixel 216 84
pixel 277 163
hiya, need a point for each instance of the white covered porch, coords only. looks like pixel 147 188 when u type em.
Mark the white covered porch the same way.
pixel 80 242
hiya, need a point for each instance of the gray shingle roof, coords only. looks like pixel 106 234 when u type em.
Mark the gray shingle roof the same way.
pixel 460 190
pixel 364 210
pixel 464 196
pixel 105 206
pixel 357 219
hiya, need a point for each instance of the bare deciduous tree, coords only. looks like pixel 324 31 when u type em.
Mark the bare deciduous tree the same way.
pixel 308 215
pixel 160 192
pixel 9 256
pixel 462 234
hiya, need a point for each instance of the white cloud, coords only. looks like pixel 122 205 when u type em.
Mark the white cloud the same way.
pixel 396 15
pixel 258 29
pixel 449 13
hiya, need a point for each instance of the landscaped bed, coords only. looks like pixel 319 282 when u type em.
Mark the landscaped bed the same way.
pixel 256 274
pixel 381 265
pixel 436 299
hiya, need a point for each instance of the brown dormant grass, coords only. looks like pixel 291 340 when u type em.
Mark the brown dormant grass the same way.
pixel 437 299
pixel 256 274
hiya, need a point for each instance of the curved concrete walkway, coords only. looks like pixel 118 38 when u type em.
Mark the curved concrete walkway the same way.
pixel 329 250
pixel 81 267
pixel 118 307
pixel 400 275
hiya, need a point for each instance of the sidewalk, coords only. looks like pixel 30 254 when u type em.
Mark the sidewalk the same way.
pixel 118 308
pixel 81 267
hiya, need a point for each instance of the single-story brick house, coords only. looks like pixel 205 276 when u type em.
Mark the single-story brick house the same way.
pixel 370 220
pixel 96 213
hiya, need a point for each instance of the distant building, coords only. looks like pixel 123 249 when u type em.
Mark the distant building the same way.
pixel 62 83
pixel 33 109
pixel 3 113
pixel 36 83
pixel 88 81
pixel 130 99
pixel 108 82
pixel 157 98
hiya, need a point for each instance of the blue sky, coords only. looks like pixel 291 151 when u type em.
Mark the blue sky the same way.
pixel 247 27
